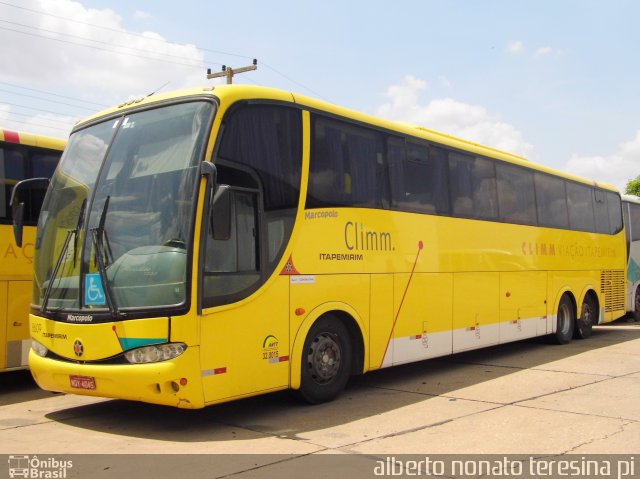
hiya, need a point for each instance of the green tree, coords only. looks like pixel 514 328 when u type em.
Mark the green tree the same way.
pixel 633 187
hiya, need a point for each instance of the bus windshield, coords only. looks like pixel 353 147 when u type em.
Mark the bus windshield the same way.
pixel 118 218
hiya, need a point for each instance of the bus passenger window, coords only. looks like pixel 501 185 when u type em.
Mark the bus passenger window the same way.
pixel 461 185
pixel 580 207
pixel 473 186
pixel 634 221
pixel 614 210
pixel 600 210
pixel 551 200
pixel 12 170
pixel 419 177
pixel 516 195
pixel 43 163
pixel 347 167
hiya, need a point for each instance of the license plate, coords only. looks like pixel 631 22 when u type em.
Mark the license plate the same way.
pixel 83 382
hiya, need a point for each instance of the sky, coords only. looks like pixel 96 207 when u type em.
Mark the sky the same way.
pixel 555 81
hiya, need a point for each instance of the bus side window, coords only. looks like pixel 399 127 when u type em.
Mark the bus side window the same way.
pixel 600 210
pixel 551 199
pixel 634 221
pixel 580 207
pixel 347 166
pixel 485 195
pixel 438 180
pixel 43 163
pixel 235 250
pixel 396 153
pixel 516 195
pixel 12 170
pixel 461 184
pixel 419 177
pixel 473 186
pixel 232 262
pixel 614 211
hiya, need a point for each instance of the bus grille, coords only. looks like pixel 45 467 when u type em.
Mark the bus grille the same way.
pixel 612 285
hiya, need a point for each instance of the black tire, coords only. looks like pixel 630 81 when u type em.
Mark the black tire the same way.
pixel 635 314
pixel 565 321
pixel 588 317
pixel 326 361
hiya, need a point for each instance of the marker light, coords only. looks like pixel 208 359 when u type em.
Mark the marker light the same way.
pixel 156 353
pixel 40 349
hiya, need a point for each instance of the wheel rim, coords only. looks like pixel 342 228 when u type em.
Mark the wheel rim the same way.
pixel 324 358
pixel 564 319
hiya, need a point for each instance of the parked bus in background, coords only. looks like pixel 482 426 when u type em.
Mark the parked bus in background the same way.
pixel 22 156
pixel 631 210
pixel 206 245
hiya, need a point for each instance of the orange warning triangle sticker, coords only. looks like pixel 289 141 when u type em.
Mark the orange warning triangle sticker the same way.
pixel 289 268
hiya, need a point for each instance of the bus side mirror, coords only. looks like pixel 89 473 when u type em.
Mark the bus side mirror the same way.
pixel 219 202
pixel 27 195
pixel 221 213
pixel 17 212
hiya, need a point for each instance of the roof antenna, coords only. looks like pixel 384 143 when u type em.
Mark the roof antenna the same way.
pixel 158 89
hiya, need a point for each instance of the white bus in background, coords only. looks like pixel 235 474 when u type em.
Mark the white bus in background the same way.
pixel 631 211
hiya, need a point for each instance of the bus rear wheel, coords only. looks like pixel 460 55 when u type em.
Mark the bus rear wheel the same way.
pixel 636 306
pixel 565 321
pixel 326 361
pixel 584 324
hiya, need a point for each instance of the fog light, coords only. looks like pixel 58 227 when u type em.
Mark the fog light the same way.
pixel 40 349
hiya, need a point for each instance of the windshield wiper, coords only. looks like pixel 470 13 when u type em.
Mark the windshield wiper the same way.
pixel 63 252
pixel 98 237
pixel 107 256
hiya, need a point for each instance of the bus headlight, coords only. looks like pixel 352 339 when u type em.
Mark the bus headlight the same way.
pixel 40 349
pixel 153 354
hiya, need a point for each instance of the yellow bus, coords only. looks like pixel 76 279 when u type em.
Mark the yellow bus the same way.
pixel 206 245
pixel 22 156
pixel 631 209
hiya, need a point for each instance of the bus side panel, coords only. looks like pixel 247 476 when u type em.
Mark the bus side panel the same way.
pixel 381 319
pixel 633 274
pixel 3 322
pixel 423 317
pixel 245 348
pixel 18 342
pixel 523 308
pixel 476 310
pixel 16 270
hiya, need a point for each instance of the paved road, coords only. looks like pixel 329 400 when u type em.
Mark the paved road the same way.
pixel 524 398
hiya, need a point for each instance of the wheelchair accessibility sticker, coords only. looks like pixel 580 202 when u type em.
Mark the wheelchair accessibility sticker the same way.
pixel 93 290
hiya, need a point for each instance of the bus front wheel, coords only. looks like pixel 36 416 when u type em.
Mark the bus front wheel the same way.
pixel 326 361
pixel 636 309
pixel 565 321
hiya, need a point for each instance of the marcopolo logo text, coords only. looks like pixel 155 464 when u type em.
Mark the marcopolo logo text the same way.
pixel 79 318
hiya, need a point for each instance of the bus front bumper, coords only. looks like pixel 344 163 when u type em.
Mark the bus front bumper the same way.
pixel 173 383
